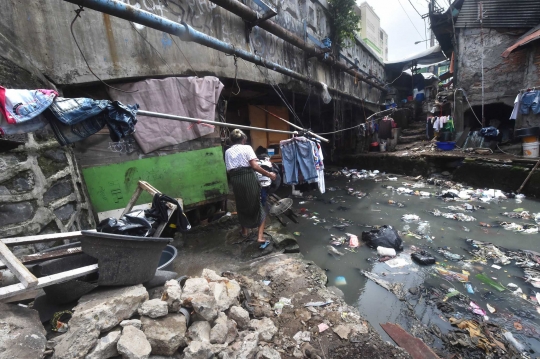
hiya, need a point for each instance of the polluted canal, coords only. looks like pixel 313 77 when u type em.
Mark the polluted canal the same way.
pixel 471 284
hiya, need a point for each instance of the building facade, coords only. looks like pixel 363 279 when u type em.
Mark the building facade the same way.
pixel 371 32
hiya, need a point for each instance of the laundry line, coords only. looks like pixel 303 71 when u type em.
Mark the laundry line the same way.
pixel 222 124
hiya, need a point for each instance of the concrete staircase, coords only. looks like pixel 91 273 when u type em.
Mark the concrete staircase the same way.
pixel 414 133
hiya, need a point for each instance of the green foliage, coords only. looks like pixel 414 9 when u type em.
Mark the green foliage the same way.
pixel 344 21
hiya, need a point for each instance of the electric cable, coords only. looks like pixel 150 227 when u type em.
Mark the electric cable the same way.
pixel 350 128
pixel 78 15
pixel 412 23
pixel 182 52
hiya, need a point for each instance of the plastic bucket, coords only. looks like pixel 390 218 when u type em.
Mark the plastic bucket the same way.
pixel 530 149
pixel 530 139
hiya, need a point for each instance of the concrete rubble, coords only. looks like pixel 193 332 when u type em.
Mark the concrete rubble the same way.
pixel 232 317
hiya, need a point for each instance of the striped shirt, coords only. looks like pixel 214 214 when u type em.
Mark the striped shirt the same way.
pixel 239 156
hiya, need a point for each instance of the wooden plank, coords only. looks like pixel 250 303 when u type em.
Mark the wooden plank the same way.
pixel 40 257
pixel 16 289
pixel 414 346
pixel 461 140
pixel 16 241
pixel 28 280
pixel 133 199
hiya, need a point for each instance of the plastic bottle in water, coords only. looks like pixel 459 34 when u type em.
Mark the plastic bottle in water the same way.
pixel 469 288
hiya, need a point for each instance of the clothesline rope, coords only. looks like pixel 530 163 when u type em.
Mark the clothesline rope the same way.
pixel 350 128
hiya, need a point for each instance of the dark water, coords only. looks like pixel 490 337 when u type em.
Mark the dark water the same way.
pixel 380 306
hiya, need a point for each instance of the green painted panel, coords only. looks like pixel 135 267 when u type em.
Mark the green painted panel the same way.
pixel 194 176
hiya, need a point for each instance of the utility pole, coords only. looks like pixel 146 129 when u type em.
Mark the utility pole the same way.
pixel 481 18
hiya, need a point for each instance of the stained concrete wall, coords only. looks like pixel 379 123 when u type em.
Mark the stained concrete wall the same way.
pixel 41 190
pixel 117 49
pixel 503 77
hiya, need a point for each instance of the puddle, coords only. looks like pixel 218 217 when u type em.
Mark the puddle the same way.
pixel 379 305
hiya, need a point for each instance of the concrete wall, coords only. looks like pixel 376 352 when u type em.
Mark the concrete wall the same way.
pixel 503 77
pixel 116 49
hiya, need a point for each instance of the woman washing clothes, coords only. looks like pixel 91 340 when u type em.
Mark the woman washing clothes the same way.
pixel 241 163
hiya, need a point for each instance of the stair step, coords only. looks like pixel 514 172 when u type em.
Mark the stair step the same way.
pixel 410 139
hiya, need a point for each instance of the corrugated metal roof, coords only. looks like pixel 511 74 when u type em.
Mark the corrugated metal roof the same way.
pixel 500 13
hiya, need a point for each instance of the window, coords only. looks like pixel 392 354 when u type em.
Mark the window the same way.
pixel 381 34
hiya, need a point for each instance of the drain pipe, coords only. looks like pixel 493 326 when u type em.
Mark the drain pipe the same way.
pixel 251 16
pixel 187 33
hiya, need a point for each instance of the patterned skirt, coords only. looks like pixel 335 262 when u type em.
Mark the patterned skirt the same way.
pixel 247 194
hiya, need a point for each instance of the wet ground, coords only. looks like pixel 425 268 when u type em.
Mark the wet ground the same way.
pixel 378 305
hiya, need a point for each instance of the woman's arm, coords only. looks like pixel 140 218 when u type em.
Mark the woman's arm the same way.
pixel 256 167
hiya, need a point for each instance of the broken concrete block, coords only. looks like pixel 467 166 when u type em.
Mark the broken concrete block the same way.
pixel 268 353
pixel 154 308
pixel 223 331
pixel 204 305
pixel 98 312
pixel 265 327
pixel 21 333
pixel 226 293
pixel 198 350
pixel 249 348
pixel 195 285
pixel 133 344
pixel 172 294
pixel 240 316
pixel 134 322
pixel 212 276
pixel 106 346
pixel 165 334
pixel 199 331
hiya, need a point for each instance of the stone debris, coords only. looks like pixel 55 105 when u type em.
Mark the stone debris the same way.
pixel 232 318
pixel 200 331
pixel 165 334
pixel 106 346
pixel 135 322
pixel 21 333
pixel 154 308
pixel 172 294
pixel 265 327
pixel 240 316
pixel 133 344
pixel 98 312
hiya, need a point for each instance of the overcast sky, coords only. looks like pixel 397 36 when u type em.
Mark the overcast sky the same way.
pixel 401 31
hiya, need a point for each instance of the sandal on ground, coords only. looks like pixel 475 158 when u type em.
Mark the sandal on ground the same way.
pixel 264 245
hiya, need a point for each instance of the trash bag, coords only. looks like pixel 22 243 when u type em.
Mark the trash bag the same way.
pixel 159 212
pixel 423 257
pixel 385 236
pixel 131 224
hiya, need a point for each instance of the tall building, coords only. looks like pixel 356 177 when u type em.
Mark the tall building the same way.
pixel 370 30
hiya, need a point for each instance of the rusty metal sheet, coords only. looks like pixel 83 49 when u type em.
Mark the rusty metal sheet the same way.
pixel 523 41
pixel 414 346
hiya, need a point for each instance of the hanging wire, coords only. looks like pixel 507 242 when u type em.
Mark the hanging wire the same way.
pixel 235 82
pixel 78 15
pixel 182 52
pixel 410 19
pixel 169 66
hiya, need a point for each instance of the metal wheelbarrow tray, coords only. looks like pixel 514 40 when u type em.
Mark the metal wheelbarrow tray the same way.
pixel 123 260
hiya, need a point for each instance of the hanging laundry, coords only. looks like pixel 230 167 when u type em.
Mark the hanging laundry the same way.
pixel 517 103
pixel 385 128
pixel 32 125
pixel 298 155
pixel 319 165
pixel 74 119
pixel 18 106
pixel 530 101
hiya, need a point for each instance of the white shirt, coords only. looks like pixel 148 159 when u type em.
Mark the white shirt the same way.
pixel 263 180
pixel 239 156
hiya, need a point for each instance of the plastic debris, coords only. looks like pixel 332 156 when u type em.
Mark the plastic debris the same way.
pixel 485 279
pixel 340 281
pixel 57 325
pixel 408 218
pixel 490 308
pixel 514 342
pixel 298 234
pixel 423 257
pixel 278 306
pixel 353 240
pixel 386 252
pixel 332 250
pixel 397 263
pixel 396 288
pixel 322 327
pixel 476 309
pixel 385 236
pixel 469 288
pixel 318 304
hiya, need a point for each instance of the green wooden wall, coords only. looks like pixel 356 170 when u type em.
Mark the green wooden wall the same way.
pixel 195 176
